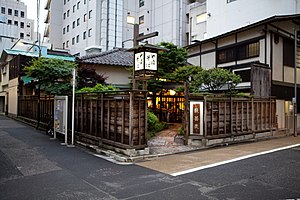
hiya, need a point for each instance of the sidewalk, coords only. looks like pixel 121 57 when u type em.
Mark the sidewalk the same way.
pixel 178 163
pixel 171 157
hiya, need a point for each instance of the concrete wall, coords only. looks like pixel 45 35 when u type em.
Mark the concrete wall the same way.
pixel 115 74
pixel 228 16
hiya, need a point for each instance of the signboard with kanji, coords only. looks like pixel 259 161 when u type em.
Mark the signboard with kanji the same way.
pixel 196 118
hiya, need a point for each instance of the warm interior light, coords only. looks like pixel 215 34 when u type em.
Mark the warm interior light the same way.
pixel 130 19
pixel 172 92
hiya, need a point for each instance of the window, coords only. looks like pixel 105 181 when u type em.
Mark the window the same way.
pixel 74 8
pixel 68 28
pixel 73 25
pixel 78 21
pixel 64 45
pixel 22 35
pixel 73 40
pixel 65 15
pixel 16 13
pixel 16 23
pixel 141 19
pixel 9 22
pixel 2 10
pixel 248 51
pixel 22 24
pixel 141 3
pixel 84 35
pixel 64 30
pixel 77 38
pixel 288 52
pixel 84 1
pixel 67 44
pixel 229 1
pixel 84 17
pixel 68 13
pixel 28 25
pixel 65 2
pixel 244 73
pixel 78 5
pixel 201 18
pixel 90 14
pixel 9 11
pixel 22 14
pixel 90 32
pixel 28 34
pixel 239 52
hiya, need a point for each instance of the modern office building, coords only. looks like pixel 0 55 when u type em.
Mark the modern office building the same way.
pixel 14 23
pixel 210 18
pixel 99 25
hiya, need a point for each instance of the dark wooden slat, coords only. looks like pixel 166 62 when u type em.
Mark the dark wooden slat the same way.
pixel 123 121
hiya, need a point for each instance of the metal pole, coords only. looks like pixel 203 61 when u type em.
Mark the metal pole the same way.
pixel 73 105
pixel 295 86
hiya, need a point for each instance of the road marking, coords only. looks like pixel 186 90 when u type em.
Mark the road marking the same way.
pixel 232 160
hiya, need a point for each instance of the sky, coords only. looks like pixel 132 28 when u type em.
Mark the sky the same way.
pixel 32 13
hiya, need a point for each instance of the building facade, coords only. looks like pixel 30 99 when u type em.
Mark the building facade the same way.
pixel 263 54
pixel 85 26
pixel 14 23
pixel 210 18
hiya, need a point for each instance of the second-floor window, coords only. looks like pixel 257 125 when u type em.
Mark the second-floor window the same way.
pixel 141 19
pixel 141 3
pixel 2 10
pixel 238 52
pixel 288 52
pixel 9 11
pixel 22 14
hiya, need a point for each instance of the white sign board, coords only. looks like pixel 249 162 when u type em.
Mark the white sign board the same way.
pixel 150 61
pixel 61 116
pixel 139 61
pixel 196 117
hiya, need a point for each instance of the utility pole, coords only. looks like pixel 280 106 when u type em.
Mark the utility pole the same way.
pixel 295 83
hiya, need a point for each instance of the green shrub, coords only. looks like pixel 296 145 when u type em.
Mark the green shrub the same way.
pixel 98 88
pixel 154 125
pixel 181 130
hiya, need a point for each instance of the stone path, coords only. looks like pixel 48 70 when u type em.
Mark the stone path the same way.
pixel 168 142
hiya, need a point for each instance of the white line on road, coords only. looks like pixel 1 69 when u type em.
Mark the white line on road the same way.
pixel 232 160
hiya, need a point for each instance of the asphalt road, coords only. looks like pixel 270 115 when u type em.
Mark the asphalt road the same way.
pixel 34 167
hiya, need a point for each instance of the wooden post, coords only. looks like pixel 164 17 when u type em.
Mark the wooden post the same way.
pixel 131 110
pixel 91 117
pixel 123 122
pixel 231 117
pixel 115 120
pixel 225 116
pixel 102 117
pixel 186 113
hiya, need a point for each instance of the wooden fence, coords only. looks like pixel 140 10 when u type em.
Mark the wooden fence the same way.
pixel 223 117
pixel 36 109
pixel 117 118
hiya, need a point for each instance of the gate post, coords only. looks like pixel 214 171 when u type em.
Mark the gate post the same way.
pixel 186 113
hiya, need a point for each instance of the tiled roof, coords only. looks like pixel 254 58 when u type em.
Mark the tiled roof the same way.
pixel 118 57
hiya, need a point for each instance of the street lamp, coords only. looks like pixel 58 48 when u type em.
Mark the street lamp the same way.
pixel 39 89
pixel 32 44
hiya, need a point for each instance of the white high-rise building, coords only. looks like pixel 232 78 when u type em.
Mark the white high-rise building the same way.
pixel 100 25
pixel 14 24
pixel 210 18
